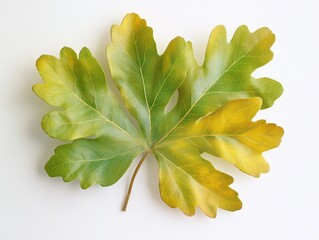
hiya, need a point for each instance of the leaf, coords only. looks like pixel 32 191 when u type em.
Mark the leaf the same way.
pixel 146 80
pixel 187 180
pixel 215 106
pixel 87 109
pixel 90 159
pixel 230 134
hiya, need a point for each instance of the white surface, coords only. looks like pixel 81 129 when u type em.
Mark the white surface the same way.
pixel 280 205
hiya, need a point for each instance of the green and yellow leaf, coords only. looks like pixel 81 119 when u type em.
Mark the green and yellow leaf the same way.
pixel 215 106
pixel 87 110
pixel 187 181
pixel 230 134
pixel 90 159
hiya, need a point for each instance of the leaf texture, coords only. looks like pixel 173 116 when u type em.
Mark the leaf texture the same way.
pixel 146 80
pixel 230 134
pixel 87 109
pixel 187 181
pixel 90 159
pixel 216 102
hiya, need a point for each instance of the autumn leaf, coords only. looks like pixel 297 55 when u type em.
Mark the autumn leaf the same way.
pixel 216 103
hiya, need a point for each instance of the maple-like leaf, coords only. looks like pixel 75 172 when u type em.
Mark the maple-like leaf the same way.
pixel 215 106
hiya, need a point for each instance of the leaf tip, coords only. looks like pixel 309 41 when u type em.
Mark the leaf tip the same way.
pixel 133 19
pixel 85 53
pixel 35 88
pixel 41 61
pixel 219 29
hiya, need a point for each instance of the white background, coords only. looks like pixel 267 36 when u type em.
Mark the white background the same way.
pixel 282 204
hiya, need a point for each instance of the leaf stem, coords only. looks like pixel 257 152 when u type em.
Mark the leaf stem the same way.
pixel 133 178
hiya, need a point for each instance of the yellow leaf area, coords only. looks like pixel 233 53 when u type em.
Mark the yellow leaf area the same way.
pixel 187 180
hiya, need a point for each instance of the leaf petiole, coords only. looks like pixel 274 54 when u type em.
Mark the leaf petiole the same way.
pixel 127 198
